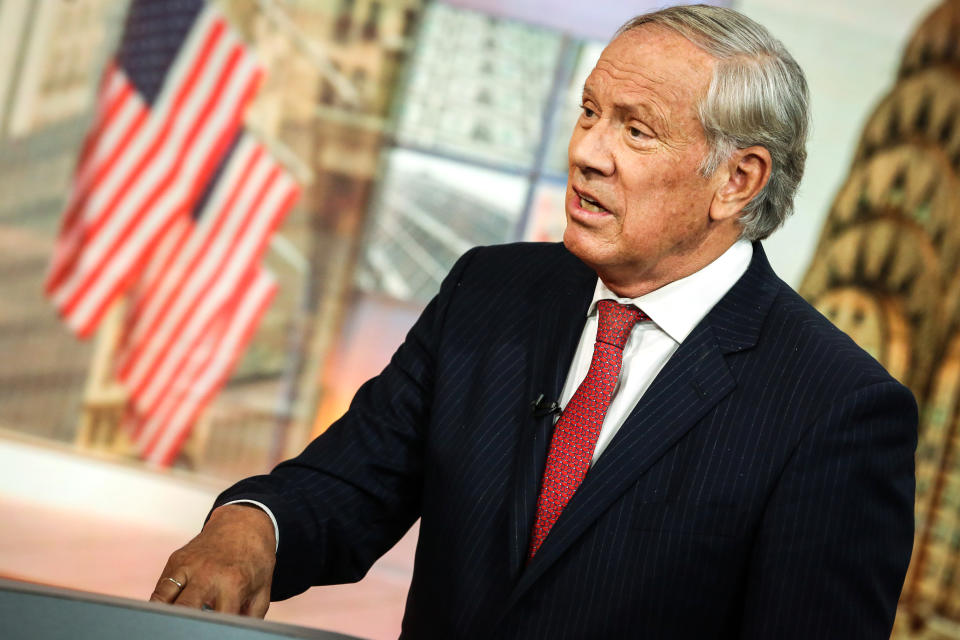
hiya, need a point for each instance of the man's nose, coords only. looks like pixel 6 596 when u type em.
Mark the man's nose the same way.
pixel 590 149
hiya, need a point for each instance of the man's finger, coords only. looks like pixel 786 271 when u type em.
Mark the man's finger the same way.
pixel 193 597
pixel 227 601
pixel 168 588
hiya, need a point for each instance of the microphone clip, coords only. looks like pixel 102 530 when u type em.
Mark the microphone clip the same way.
pixel 541 407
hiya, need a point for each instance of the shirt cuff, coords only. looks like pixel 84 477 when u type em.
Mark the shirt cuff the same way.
pixel 273 519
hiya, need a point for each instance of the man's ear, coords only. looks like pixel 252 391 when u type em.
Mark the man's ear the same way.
pixel 745 174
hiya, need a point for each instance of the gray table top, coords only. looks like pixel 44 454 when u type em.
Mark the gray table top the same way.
pixel 37 612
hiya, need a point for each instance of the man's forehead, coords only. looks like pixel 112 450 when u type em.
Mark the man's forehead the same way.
pixel 653 57
pixel 664 36
pixel 629 75
pixel 659 48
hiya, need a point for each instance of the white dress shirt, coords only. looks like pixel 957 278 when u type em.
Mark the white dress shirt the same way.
pixel 674 310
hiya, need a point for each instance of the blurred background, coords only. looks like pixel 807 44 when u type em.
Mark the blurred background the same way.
pixel 415 130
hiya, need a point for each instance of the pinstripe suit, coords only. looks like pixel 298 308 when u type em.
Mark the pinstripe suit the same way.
pixel 761 488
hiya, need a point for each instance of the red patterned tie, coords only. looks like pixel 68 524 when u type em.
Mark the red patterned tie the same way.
pixel 575 434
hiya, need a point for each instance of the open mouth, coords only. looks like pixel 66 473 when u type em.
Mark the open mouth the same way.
pixel 591 205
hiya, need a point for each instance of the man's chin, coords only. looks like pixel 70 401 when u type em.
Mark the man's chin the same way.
pixel 584 244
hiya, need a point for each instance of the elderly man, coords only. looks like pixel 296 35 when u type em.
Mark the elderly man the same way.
pixel 640 433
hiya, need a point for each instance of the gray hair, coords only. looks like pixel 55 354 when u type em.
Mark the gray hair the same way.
pixel 758 96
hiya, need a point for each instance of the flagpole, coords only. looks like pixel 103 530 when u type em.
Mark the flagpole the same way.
pixel 287 157
pixel 314 51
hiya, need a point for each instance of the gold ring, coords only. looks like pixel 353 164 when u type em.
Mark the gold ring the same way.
pixel 176 582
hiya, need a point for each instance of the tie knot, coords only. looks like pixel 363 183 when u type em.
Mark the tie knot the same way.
pixel 616 322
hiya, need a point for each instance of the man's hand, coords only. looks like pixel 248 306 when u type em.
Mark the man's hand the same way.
pixel 227 567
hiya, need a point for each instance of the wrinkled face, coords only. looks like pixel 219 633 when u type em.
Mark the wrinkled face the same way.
pixel 637 208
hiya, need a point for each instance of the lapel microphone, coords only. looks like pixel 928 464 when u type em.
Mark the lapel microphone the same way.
pixel 541 407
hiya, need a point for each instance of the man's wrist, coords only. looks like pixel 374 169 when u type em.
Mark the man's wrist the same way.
pixel 262 507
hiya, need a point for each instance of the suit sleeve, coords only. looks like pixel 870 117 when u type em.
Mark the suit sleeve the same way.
pixel 835 540
pixel 356 489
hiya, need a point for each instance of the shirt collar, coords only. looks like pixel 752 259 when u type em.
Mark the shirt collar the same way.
pixel 679 306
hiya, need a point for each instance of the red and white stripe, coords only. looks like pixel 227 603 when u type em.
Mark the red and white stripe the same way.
pixel 177 254
pixel 161 432
pixel 176 307
pixel 120 114
pixel 143 167
pixel 129 143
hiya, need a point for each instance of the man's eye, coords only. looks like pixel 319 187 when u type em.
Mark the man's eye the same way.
pixel 636 133
pixel 587 111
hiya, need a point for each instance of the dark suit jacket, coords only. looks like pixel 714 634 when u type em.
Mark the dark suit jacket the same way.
pixel 761 488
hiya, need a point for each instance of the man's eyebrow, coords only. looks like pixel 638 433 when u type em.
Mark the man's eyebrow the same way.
pixel 631 108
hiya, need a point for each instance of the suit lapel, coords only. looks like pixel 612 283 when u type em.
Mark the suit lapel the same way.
pixel 693 381
pixel 560 315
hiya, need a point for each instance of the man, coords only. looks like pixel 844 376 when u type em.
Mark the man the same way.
pixel 726 463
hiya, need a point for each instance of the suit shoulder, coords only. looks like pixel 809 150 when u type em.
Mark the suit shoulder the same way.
pixel 535 261
pixel 810 346
pixel 521 253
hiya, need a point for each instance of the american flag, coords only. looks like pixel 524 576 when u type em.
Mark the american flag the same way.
pixel 169 105
pixel 199 298
pixel 173 204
